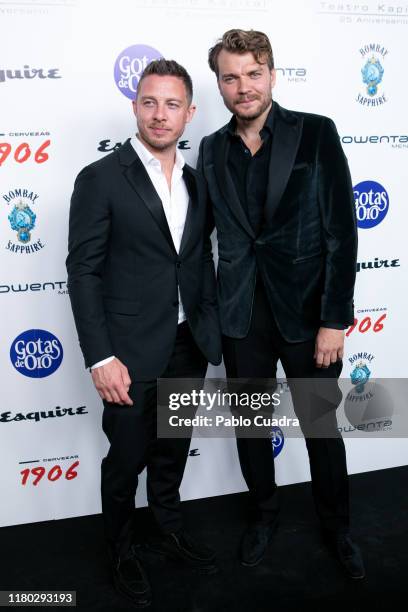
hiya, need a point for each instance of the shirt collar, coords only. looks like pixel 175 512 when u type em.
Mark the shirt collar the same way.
pixel 147 157
pixel 267 128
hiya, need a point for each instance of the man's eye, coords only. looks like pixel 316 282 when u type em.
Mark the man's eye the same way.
pixel 173 105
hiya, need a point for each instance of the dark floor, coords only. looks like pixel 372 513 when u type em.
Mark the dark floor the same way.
pixel 298 572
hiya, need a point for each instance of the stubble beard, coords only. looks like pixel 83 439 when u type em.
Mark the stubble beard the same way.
pixel 248 118
pixel 156 144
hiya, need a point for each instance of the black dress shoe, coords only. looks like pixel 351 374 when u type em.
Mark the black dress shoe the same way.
pixel 131 581
pixel 348 554
pixel 255 542
pixel 181 546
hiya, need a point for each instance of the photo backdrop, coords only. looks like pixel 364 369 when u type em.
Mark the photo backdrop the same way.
pixel 68 72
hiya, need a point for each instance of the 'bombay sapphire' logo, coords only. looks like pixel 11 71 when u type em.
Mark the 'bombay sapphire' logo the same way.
pixel 360 376
pixel 372 203
pixel 277 439
pixel 36 353
pixel 22 220
pixel 129 66
pixel 372 74
pixel 361 373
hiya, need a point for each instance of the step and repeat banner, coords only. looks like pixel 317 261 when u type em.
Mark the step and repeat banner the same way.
pixel 68 73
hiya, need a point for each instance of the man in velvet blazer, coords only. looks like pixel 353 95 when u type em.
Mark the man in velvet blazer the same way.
pixel 142 286
pixel 282 202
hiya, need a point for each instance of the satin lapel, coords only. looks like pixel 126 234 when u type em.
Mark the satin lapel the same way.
pixel 192 207
pixel 138 178
pixel 285 143
pixel 225 182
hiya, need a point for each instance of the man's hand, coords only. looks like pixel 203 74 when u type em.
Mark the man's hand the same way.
pixel 329 346
pixel 112 381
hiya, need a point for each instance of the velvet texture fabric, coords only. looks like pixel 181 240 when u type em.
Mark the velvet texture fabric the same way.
pixel 306 250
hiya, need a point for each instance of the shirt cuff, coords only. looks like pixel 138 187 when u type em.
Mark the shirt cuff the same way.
pixel 333 325
pixel 103 362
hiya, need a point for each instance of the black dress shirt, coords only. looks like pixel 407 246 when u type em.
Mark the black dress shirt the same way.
pixel 249 172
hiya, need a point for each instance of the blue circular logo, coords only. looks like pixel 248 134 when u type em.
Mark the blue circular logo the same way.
pixel 36 353
pixel 372 203
pixel 277 439
pixel 129 66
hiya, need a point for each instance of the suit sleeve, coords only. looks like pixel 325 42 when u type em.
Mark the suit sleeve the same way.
pixel 209 288
pixel 88 240
pixel 209 303
pixel 339 228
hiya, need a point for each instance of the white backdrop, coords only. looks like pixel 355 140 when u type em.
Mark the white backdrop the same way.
pixel 60 99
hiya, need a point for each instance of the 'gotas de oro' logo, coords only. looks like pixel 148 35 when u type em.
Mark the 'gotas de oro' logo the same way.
pixel 22 220
pixel 372 203
pixel 277 439
pixel 36 353
pixel 372 74
pixel 129 66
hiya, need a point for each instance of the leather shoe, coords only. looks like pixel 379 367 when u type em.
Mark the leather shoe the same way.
pixel 131 581
pixel 181 546
pixel 255 542
pixel 348 554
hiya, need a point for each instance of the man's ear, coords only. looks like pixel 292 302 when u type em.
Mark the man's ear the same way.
pixel 190 112
pixel 273 78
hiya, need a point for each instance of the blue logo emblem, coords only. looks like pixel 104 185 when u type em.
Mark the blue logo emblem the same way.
pixel 360 376
pixel 277 439
pixel 372 203
pixel 22 221
pixel 372 72
pixel 36 353
pixel 129 66
pixel 372 75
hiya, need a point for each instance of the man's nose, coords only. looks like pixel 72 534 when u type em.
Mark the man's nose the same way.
pixel 244 85
pixel 160 112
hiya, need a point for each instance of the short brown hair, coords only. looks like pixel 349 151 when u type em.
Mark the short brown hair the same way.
pixel 163 67
pixel 242 41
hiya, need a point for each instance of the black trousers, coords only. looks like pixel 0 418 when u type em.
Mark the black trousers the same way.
pixel 131 431
pixel 256 356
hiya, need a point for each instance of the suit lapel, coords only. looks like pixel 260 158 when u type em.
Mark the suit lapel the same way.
pixel 285 143
pixel 225 182
pixel 136 174
pixel 191 185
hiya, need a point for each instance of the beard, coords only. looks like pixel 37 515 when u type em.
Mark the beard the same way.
pixel 244 117
pixel 157 144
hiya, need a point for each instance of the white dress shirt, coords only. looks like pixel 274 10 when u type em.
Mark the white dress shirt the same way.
pixel 174 200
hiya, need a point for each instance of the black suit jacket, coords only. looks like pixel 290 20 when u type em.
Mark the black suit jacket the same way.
pixel 306 252
pixel 123 269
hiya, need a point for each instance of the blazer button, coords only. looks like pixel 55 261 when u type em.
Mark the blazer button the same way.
pixel 178 264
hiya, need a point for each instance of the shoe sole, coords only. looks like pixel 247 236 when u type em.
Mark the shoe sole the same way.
pixel 361 577
pixel 245 564
pixel 201 569
pixel 138 603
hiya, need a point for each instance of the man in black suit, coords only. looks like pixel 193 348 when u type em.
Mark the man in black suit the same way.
pixel 283 207
pixel 142 287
